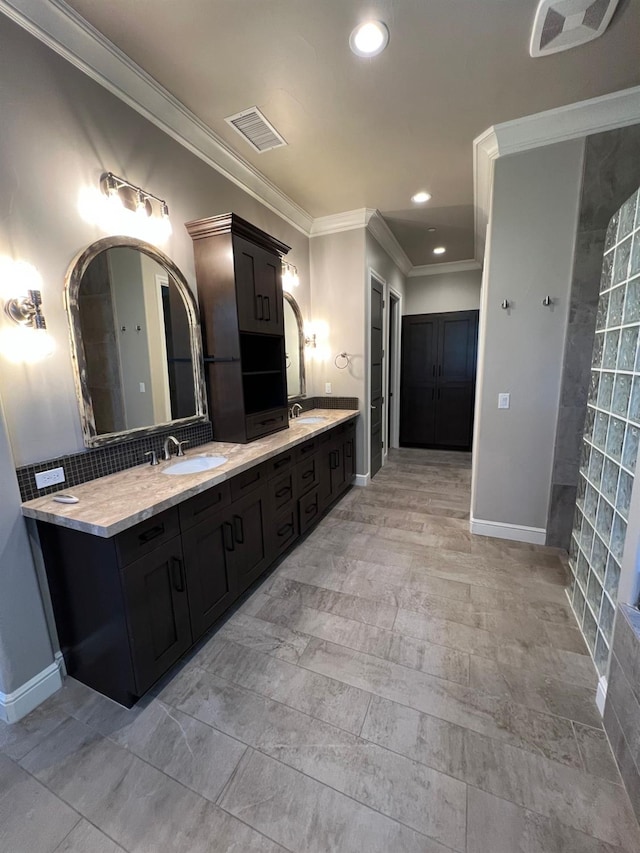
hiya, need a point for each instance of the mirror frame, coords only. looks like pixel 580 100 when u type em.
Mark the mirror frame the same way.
pixel 298 315
pixel 73 280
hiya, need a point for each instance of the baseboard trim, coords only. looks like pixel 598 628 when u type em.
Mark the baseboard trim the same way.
pixel 515 532
pixel 59 659
pixel 14 706
pixel 601 694
pixel 362 480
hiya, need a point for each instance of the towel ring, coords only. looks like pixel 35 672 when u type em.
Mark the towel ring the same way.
pixel 342 356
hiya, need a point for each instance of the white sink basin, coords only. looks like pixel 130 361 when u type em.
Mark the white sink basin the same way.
pixel 317 419
pixel 195 464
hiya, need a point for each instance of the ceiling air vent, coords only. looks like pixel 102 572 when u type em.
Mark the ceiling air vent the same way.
pixel 258 132
pixel 562 24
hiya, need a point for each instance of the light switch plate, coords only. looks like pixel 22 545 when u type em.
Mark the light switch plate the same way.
pixel 504 401
pixel 49 478
pixel 327 388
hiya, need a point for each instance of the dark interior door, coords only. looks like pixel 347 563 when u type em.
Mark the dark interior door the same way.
pixel 376 376
pixel 438 379
pixel 418 378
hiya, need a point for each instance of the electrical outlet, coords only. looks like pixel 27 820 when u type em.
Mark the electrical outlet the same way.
pixel 142 388
pixel 327 388
pixel 504 401
pixel 49 478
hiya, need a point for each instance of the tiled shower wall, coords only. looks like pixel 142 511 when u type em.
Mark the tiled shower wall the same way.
pixel 611 437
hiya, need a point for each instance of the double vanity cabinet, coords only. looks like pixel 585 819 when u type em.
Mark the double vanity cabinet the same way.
pixel 128 606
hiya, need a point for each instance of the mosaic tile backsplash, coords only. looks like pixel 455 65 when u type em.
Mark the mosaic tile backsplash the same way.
pixel 91 464
pixel 611 437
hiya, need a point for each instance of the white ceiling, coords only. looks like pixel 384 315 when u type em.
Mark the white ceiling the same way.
pixel 367 133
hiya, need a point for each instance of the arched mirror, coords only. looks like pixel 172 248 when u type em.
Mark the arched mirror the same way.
pixel 294 347
pixel 135 341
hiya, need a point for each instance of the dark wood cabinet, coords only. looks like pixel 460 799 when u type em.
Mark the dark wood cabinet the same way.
pixel 239 277
pixel 155 600
pixel 128 607
pixel 437 388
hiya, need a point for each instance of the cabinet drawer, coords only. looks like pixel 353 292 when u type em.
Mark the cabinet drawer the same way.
pixel 308 474
pixel 284 530
pixel 309 509
pixel 246 482
pixel 144 537
pixel 202 506
pixel 306 449
pixel 265 423
pixel 279 463
pixel 281 491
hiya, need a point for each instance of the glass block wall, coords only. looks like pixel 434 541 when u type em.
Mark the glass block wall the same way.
pixel 611 436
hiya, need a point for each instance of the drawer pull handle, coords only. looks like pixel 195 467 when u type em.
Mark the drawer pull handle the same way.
pixel 227 535
pixel 259 308
pixel 268 304
pixel 254 479
pixel 307 448
pixel 150 534
pixel 285 491
pixel 281 462
pixel 238 528
pixel 349 450
pixel 177 575
pixel 269 421
pixel 285 529
pixel 308 474
pixel 312 508
pixel 333 459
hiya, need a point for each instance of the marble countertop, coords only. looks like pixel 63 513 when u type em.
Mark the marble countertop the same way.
pixel 111 504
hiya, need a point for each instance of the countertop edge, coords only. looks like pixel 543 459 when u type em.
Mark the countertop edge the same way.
pixel 57 517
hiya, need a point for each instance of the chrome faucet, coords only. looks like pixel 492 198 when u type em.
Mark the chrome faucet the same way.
pixel 167 447
pixel 295 410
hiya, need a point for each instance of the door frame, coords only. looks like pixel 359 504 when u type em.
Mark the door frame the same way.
pixel 392 440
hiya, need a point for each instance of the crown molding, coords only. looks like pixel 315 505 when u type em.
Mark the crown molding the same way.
pixel 379 229
pixel 573 121
pixel 349 220
pixel 69 35
pixel 373 221
pixel 442 269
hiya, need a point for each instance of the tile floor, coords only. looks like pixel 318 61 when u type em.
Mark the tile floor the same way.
pixel 394 685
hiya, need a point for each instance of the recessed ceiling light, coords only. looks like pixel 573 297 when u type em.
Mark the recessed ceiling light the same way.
pixel 421 197
pixel 431 230
pixel 369 39
pixel 439 250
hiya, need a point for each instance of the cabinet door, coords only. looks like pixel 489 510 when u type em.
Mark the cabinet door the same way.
pixel 155 594
pixel 206 548
pixel 418 379
pixel 349 450
pixel 250 554
pixel 258 288
pixel 325 459
pixel 336 466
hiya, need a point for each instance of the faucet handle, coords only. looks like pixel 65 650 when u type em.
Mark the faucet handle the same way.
pixel 154 457
pixel 181 444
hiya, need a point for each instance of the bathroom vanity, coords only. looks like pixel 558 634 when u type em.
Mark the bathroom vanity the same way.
pixel 145 563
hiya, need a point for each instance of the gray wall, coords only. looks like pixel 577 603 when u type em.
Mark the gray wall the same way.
pixel 60 131
pixel 337 302
pixel 433 294
pixel 529 255
pixel 611 174
pixel 25 648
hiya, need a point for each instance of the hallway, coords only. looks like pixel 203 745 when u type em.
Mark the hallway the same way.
pixel 395 685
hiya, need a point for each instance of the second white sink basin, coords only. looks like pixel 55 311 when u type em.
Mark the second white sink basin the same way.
pixel 317 419
pixel 195 464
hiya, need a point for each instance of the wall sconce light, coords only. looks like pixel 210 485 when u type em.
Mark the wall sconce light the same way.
pixel 310 340
pixel 290 278
pixel 29 342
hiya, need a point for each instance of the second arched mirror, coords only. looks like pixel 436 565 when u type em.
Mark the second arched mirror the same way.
pixel 294 346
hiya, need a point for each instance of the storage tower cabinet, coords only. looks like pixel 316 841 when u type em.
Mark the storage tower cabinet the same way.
pixel 239 277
